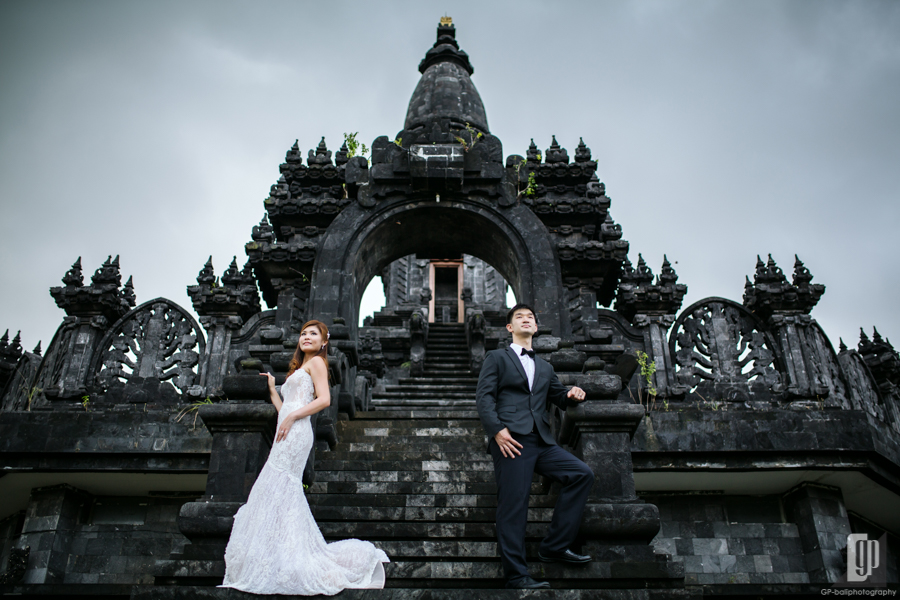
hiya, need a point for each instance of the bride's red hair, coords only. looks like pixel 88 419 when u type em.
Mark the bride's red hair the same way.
pixel 297 359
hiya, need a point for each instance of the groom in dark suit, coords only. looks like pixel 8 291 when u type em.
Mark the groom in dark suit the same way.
pixel 514 391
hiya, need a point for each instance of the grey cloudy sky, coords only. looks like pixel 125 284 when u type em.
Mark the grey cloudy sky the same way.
pixel 722 129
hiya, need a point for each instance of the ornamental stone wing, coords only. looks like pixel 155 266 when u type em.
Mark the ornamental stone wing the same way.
pixel 151 352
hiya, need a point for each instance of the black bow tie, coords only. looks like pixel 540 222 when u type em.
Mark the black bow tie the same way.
pixel 525 352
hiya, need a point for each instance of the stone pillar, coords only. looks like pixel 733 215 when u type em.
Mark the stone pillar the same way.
pixel 652 306
pixel 214 365
pixel 821 518
pixel 91 310
pixel 50 522
pixel 242 436
pixel 617 526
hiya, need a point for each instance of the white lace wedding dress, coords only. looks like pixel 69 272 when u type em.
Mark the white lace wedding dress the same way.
pixel 275 545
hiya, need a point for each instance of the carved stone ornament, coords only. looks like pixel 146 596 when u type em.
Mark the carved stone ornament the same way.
pixel 723 352
pixel 148 351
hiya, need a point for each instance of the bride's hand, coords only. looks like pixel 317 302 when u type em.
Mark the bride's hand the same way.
pixel 283 429
pixel 271 380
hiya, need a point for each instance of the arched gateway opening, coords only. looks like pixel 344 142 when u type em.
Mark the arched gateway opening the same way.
pixel 360 243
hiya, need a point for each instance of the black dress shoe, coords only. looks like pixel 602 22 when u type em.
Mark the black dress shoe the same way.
pixel 526 583
pixel 566 556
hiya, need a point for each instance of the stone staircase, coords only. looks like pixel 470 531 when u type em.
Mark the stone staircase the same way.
pixel 447 383
pixel 422 489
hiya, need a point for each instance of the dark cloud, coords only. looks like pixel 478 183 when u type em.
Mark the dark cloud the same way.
pixel 723 130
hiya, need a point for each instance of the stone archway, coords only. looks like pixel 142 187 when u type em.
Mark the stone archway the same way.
pixel 362 241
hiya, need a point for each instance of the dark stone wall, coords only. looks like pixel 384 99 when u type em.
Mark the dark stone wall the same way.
pixel 78 538
pixel 729 539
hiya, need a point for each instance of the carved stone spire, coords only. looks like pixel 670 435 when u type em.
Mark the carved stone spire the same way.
pixel 128 297
pixel 108 274
pixel 207 275
pixel 556 153
pixel 294 156
pixel 770 293
pixel 101 297
pixel 320 156
pixel 37 349
pixel 445 92
pixel 533 155
pixel 237 296
pixel 582 152
pixel 340 157
pixel 643 273
pixel 10 353
pixel 882 360
pixel 639 295
pixel 74 277
pixel 232 276
pixel 263 232
pixel 247 275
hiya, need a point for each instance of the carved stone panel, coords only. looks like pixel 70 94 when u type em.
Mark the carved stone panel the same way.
pixel 150 355
pixel 723 352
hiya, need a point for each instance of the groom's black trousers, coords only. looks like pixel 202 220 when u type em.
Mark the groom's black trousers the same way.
pixel 513 477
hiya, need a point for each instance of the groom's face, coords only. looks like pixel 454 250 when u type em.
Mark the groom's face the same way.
pixel 523 323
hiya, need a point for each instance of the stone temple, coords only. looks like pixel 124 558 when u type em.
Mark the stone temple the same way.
pixel 735 449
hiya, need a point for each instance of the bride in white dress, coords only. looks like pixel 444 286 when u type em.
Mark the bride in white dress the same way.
pixel 275 545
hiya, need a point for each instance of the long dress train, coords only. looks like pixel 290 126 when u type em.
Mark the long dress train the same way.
pixel 275 545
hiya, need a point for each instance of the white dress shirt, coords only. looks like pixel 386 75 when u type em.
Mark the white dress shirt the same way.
pixel 527 363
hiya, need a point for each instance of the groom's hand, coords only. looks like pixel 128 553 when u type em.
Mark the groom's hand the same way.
pixel 508 445
pixel 576 393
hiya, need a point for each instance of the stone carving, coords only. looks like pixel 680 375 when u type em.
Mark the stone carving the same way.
pixel 863 391
pixel 884 364
pixel 723 353
pixel 475 329
pixel 771 293
pixel 157 342
pixel 639 295
pixel 418 328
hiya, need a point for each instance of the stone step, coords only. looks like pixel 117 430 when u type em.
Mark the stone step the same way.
pixel 420 500
pixel 399 588
pixel 419 409
pixel 442 378
pixel 414 476
pixel 371 445
pixel 417 414
pixel 429 386
pixel 361 450
pixel 419 392
pixel 324 463
pixel 421 402
pixel 433 550
pixel 372 419
pixel 445 429
pixel 443 368
pixel 422 530
pixel 412 487
pixel 367 448
pixel 400 514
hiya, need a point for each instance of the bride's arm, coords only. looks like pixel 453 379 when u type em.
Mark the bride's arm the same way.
pixel 273 393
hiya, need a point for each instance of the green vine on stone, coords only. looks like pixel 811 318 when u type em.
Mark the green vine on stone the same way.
pixel 474 137
pixel 193 408
pixel 354 146
pixel 648 393
pixel 85 402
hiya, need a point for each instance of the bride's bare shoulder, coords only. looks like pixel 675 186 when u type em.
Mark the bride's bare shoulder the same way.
pixel 316 366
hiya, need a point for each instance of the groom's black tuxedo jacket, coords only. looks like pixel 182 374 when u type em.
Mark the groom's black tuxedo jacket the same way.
pixel 504 400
